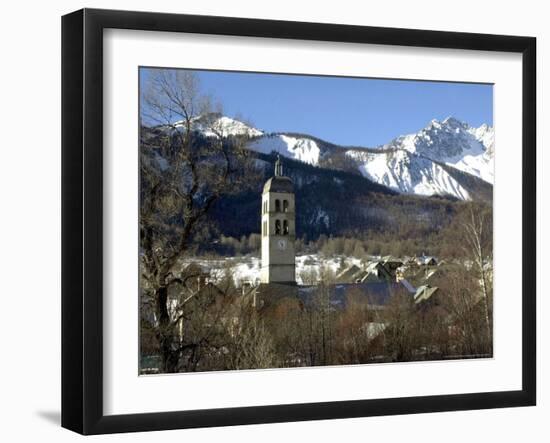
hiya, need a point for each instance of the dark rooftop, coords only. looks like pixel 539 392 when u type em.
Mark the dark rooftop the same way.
pixel 279 184
pixel 377 293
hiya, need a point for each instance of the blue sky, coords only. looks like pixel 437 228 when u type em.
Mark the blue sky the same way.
pixel 342 110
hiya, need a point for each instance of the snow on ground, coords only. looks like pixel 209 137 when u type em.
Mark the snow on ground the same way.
pixel 321 216
pixel 247 269
pixel 242 269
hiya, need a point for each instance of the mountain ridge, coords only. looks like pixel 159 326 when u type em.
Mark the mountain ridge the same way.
pixel 447 157
pixel 417 163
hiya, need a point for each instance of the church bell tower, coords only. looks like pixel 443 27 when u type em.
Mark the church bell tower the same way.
pixel 278 229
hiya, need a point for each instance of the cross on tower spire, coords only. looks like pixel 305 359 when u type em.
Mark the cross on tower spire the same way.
pixel 278 167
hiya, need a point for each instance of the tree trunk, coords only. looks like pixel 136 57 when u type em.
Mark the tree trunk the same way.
pixel 168 352
pixel 486 306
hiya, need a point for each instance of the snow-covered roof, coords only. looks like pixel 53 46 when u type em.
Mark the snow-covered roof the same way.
pixel 424 292
pixel 425 259
pixel 391 259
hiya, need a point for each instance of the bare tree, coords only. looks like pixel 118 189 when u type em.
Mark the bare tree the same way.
pixel 309 276
pixel 465 314
pixel 186 164
pixel 477 226
pixel 321 316
pixel 251 345
pixel 401 333
pixel 352 329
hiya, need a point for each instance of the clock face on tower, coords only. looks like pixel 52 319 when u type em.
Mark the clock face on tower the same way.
pixel 281 244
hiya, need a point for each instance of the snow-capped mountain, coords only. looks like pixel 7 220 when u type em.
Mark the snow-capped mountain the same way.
pixel 444 158
pixel 214 125
pixel 229 126
pixel 453 143
pixel 298 148
pixel 407 173
pixel 424 163
pixel 304 148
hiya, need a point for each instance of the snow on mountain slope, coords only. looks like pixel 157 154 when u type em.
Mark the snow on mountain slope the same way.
pixel 411 163
pixel 486 135
pixel 415 163
pixel 454 143
pixel 228 126
pixel 407 173
pixel 298 148
pixel 221 125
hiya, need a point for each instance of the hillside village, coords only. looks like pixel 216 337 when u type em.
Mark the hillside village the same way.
pixel 412 274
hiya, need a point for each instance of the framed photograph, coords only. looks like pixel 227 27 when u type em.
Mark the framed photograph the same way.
pixel 269 221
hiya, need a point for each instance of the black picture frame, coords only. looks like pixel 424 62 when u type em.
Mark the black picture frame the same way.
pixel 82 218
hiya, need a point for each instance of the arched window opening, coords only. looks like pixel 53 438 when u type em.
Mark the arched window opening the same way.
pixel 285 205
pixel 277 205
pixel 285 227
pixel 277 227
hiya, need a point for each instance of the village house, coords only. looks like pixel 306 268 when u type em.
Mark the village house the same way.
pixel 424 293
pixel 426 260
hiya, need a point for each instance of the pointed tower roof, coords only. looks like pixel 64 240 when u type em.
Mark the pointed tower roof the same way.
pixel 279 183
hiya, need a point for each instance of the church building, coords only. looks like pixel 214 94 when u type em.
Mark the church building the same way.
pixel 278 229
